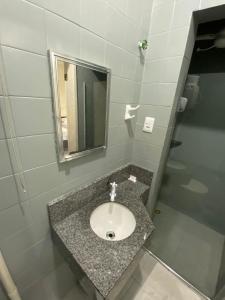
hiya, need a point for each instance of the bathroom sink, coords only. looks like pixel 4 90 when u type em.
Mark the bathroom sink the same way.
pixel 112 221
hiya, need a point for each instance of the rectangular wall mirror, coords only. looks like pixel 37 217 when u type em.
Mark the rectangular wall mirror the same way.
pixel 81 99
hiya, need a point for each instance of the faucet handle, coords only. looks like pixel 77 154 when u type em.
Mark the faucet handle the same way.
pixel 113 184
pixel 113 191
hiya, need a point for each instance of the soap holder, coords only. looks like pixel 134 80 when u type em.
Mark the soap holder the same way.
pixel 129 109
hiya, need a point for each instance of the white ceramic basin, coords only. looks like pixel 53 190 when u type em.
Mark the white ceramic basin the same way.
pixel 112 221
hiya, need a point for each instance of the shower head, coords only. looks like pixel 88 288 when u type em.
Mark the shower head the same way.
pixel 218 40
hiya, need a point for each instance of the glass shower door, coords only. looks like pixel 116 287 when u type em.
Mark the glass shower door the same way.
pixel 190 213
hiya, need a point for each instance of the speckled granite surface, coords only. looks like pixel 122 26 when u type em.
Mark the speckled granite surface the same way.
pixel 103 261
pixel 65 205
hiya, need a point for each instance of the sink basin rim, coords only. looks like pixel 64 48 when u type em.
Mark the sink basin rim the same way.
pixel 112 221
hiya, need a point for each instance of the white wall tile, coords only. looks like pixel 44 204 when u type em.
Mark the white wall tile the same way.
pixel 177 40
pixel 147 152
pixel 139 70
pixel 9 195
pixel 141 162
pixel 22 26
pixel 211 3
pixel 62 36
pixel 119 153
pixel 19 218
pixel 69 9
pixel 161 18
pixel 2 131
pixel 5 166
pixel 157 137
pixel 1 88
pixel 133 34
pixel 92 48
pixel 94 16
pixel 37 150
pixel 135 9
pixel 157 48
pixel 119 4
pixel 129 66
pixel 118 135
pixel 25 239
pixel 41 257
pixel 6 130
pixel 13 154
pixel 116 114
pixel 158 94
pixel 32 115
pixel 161 2
pixel 153 71
pixel 116 27
pixel 160 113
pixel 43 179
pixel 114 58
pixel 27 74
pixel 146 15
pixel 183 12
pixel 124 90
pixel 61 274
pixel 168 44
pixel 164 71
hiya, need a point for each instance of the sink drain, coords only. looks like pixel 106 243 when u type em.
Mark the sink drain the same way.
pixel 110 235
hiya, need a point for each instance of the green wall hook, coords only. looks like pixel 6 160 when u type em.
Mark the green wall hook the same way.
pixel 143 44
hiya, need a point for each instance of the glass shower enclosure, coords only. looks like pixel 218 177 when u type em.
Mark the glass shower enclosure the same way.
pixel 190 212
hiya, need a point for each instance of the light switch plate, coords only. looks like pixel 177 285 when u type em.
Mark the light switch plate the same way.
pixel 149 124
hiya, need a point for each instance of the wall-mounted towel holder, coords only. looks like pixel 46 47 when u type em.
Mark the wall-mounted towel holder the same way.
pixel 129 109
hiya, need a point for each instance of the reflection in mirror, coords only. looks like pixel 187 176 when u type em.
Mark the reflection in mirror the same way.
pixel 81 106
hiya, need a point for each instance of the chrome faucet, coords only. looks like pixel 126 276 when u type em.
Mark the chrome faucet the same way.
pixel 113 191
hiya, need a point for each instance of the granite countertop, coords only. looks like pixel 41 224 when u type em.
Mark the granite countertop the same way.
pixel 104 261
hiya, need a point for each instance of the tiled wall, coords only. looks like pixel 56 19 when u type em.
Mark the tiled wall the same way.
pixel 103 32
pixel 167 61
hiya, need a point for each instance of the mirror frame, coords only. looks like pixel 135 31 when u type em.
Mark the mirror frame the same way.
pixel 53 56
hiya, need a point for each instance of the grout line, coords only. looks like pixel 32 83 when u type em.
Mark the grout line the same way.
pixel 147 144
pixel 46 56
pixel 163 59
pixel 155 126
pixel 6 176
pixel 156 105
pixel 24 50
pixel 169 31
pixel 56 162
pixel 158 82
pixel 41 166
pixel 10 206
pixel 31 135
pixel 80 185
pixel 30 97
pixel 82 27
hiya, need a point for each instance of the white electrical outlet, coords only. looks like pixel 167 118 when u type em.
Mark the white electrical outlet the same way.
pixel 148 124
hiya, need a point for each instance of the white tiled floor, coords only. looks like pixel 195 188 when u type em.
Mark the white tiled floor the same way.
pixel 153 281
pixel 150 281
pixel 192 249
